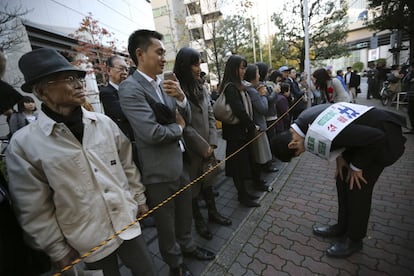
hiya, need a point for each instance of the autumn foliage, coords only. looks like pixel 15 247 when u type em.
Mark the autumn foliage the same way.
pixel 95 45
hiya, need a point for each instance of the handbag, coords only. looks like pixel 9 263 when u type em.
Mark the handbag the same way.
pixel 222 111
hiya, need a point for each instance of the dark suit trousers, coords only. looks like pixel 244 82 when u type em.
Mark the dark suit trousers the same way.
pixel 354 206
pixel 173 220
pixel 133 253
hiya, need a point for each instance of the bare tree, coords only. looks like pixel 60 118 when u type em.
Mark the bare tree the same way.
pixel 11 33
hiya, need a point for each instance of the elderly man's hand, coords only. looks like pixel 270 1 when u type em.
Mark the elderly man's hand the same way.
pixel 68 259
pixel 142 209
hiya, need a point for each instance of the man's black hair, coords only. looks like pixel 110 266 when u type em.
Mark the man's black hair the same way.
pixel 141 39
pixel 279 146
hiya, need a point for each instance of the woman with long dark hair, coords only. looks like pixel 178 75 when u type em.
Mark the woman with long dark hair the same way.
pixel 262 155
pixel 239 167
pixel 200 136
pixel 331 88
pixel 25 114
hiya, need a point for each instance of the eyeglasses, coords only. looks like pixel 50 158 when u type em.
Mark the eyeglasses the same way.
pixel 69 79
pixel 121 68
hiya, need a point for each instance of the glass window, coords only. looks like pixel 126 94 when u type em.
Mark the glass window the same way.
pixel 160 11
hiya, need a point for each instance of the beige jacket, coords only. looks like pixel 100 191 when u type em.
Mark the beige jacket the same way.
pixel 71 194
pixel 340 94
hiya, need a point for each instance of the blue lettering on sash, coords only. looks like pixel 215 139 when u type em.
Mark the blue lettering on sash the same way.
pixel 349 112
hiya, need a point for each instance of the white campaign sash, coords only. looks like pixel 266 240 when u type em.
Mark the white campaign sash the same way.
pixel 328 125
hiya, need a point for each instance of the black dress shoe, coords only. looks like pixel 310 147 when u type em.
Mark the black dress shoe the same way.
pixel 216 217
pixel 328 231
pixel 202 229
pixel 201 254
pixel 252 196
pixel 181 270
pixel 270 169
pixel 248 202
pixel 344 248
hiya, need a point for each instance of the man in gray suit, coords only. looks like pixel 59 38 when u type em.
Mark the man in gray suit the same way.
pixel 158 116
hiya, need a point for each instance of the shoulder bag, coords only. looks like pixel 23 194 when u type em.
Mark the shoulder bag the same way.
pixel 222 111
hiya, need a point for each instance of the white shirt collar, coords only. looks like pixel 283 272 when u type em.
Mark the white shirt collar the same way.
pixel 149 79
pixel 116 86
pixel 298 130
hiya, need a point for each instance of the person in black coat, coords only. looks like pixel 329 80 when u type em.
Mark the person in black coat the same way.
pixel 369 143
pixel 240 166
pixel 352 80
pixel 297 94
pixel 117 71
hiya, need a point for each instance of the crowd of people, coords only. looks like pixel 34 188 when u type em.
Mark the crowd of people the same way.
pixel 77 177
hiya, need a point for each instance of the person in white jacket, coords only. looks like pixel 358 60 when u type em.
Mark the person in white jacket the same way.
pixel 331 88
pixel 72 179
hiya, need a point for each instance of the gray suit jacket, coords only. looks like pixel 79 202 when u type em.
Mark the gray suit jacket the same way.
pixel 159 153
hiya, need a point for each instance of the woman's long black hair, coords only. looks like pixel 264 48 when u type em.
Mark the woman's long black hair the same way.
pixel 192 87
pixel 321 77
pixel 231 72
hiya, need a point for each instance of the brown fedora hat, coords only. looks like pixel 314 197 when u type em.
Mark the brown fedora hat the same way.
pixel 41 63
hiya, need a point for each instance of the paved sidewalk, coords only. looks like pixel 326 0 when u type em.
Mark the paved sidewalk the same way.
pixel 277 239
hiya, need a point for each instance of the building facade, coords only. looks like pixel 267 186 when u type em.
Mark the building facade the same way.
pixel 188 23
pixel 48 23
pixel 367 45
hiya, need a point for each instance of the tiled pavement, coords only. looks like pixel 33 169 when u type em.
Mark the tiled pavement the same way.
pixel 276 238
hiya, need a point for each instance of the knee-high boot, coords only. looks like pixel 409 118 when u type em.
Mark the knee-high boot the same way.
pixel 213 214
pixel 200 225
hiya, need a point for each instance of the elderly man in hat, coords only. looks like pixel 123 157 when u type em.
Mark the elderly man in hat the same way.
pixel 72 178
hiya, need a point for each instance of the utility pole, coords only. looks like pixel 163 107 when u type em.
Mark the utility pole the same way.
pixel 253 38
pixel 268 34
pixel 307 59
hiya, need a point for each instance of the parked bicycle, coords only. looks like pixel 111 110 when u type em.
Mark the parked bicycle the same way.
pixel 387 96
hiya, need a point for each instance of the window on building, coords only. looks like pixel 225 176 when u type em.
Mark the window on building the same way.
pixel 203 57
pixel 196 33
pixel 194 8
pixel 160 11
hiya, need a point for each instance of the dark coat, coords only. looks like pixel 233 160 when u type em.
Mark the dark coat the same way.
pixel 8 96
pixel 199 136
pixel 110 100
pixel 355 79
pixel 282 106
pixel 240 165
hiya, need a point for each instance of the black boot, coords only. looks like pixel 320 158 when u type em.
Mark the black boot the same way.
pixel 243 195
pixel 200 225
pixel 213 214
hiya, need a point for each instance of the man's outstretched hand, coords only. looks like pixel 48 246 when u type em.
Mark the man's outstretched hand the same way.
pixel 355 177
